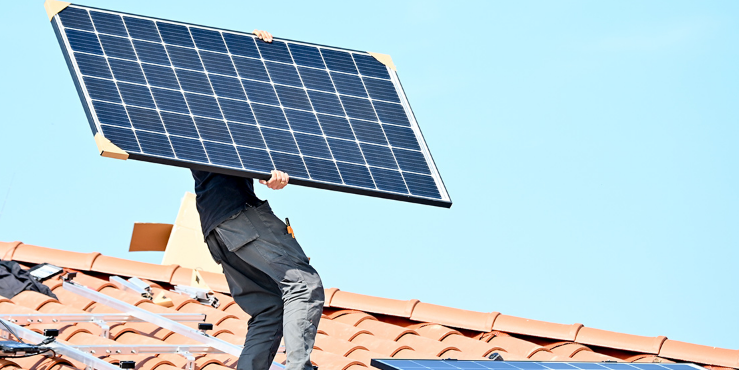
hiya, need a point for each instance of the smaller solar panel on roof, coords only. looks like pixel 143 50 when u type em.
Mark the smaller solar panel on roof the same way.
pixel 393 364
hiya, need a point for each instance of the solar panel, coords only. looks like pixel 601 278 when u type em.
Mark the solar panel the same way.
pixel 392 364
pixel 223 101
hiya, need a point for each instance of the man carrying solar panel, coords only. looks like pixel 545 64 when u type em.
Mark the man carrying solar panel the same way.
pixel 267 272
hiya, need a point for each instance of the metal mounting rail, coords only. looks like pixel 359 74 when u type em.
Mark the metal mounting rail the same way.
pixel 90 361
pixel 186 351
pixel 136 349
pixel 54 318
pixel 156 319
pixel 101 320
pixel 161 321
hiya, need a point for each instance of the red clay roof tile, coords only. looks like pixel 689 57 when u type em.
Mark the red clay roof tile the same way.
pixel 330 360
pixel 92 282
pixel 518 347
pixel 385 330
pixel 7 249
pixel 33 300
pixel 340 330
pixel 130 298
pixel 434 331
pixel 702 354
pixel 8 307
pixel 567 349
pixel 364 356
pixel 592 357
pixel 234 309
pixel 336 345
pixel 68 298
pixel 644 358
pixel 426 346
pixel 213 316
pixel 367 303
pixel 387 347
pixel 6 364
pixel 628 342
pixel 355 328
pixel 181 276
pixel 470 346
pixel 128 268
pixel 353 318
pixel 541 354
pixel 75 260
pixel 229 337
pixel 536 328
pixel 216 282
pixel 454 317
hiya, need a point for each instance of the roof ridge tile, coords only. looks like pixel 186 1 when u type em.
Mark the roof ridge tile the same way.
pixel 544 329
pixel 385 306
pixel 683 351
pixel 628 342
pixel 58 257
pixel 142 270
pixel 7 249
pixel 454 317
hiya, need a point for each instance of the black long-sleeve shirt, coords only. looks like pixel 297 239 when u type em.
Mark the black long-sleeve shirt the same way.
pixel 221 196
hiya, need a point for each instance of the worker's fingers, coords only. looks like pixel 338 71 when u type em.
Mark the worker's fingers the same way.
pixel 263 182
pixel 281 179
pixel 263 35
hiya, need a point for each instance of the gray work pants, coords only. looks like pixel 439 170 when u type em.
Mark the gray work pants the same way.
pixel 270 279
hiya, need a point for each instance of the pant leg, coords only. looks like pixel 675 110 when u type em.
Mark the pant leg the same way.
pixel 271 250
pixel 260 297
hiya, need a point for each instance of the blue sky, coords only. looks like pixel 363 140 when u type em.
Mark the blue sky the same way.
pixel 589 148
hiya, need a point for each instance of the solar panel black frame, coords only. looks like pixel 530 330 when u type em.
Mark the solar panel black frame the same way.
pixel 451 364
pixel 442 200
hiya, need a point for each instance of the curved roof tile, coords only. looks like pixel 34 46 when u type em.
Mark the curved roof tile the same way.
pixel 454 317
pixel 702 354
pixel 355 328
pixel 367 303
pixel 128 268
pixel 628 342
pixel 536 328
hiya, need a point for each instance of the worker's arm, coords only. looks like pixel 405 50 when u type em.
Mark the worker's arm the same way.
pixel 278 180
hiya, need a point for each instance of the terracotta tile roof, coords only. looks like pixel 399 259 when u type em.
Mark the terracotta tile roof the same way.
pixel 355 328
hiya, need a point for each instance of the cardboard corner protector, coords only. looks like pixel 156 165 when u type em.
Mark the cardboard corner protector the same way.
pixel 150 237
pixel 108 149
pixel 53 7
pixel 384 59
pixel 197 280
pixel 162 300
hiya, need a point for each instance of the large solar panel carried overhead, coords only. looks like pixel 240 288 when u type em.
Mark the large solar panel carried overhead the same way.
pixel 224 101
pixel 397 364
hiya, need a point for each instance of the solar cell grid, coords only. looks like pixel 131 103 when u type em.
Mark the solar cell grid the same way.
pixel 394 364
pixel 222 101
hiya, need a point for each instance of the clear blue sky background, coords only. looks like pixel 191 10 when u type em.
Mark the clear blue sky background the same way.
pixel 590 148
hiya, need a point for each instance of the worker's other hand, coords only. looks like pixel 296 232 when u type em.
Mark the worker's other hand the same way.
pixel 263 35
pixel 278 180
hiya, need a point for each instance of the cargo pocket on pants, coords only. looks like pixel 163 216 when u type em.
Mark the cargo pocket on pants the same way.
pixel 236 232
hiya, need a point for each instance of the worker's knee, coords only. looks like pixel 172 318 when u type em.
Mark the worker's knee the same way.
pixel 302 285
